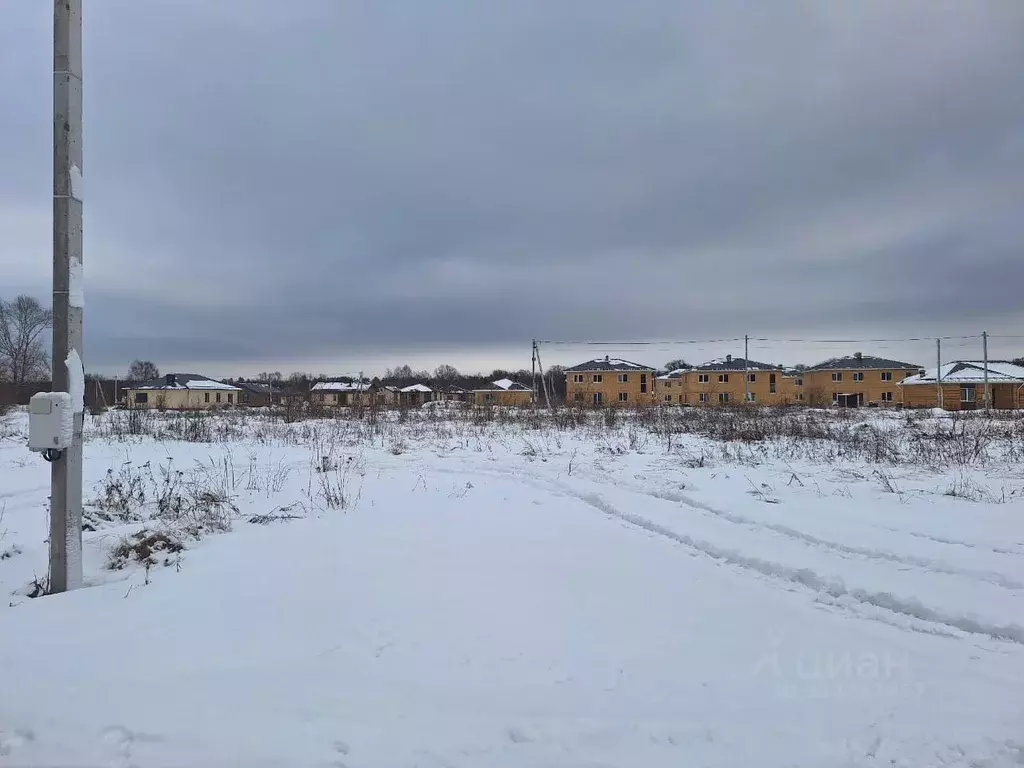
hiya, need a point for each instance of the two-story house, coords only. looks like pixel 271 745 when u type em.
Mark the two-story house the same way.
pixel 856 380
pixel 725 381
pixel 610 381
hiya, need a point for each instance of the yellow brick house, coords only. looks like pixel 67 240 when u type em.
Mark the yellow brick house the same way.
pixel 610 381
pixel 726 381
pixel 856 380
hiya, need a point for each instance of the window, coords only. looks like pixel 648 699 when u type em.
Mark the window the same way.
pixel 489 396
pixel 141 397
pixel 887 397
pixel 668 398
pixel 668 385
pixel 598 398
pixel 336 397
pixel 702 397
pixel 886 375
pixel 800 396
pixel 751 377
pixel 858 376
pixel 771 383
pixel 643 382
pixel 597 378
pixel 967 394
pixel 723 397
pixel 623 397
pixel 799 382
pixel 837 377
pixel 206 397
pixel 231 396
pixel 578 378
pixel 723 378
pixel 623 378
pixel 703 378
pixel 835 398
pixel 218 397
pixel 577 396
pixel 751 397
pixel 243 397
pixel 682 398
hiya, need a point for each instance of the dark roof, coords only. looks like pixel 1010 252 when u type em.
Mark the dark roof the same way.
pixel 257 388
pixel 863 362
pixel 608 364
pixel 730 363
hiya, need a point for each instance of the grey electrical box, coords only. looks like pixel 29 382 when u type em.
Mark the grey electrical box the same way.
pixel 51 421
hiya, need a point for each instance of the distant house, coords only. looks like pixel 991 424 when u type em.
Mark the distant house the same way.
pixel 415 395
pixel 503 392
pixel 340 393
pixel 727 380
pixel 258 395
pixel 182 392
pixel 856 380
pixel 610 381
pixel 963 386
pixel 452 393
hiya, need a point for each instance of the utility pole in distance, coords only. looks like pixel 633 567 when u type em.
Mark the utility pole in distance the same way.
pixel 746 369
pixel 984 351
pixel 68 373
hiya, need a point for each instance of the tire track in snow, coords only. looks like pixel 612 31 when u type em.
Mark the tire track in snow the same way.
pixel 927 564
pixel 805 577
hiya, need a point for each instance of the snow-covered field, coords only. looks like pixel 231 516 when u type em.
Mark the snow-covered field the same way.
pixel 449 590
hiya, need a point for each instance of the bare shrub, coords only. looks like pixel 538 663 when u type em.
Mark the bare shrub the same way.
pixel 145 547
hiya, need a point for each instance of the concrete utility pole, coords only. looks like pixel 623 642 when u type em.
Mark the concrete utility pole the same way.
pixel 746 368
pixel 68 373
pixel 533 369
pixel 984 351
pixel 938 372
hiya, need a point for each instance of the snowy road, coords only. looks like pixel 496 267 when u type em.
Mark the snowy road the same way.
pixel 486 608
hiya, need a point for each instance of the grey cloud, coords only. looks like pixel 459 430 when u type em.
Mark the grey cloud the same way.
pixel 330 178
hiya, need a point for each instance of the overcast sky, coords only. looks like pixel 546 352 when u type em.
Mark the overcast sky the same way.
pixel 330 185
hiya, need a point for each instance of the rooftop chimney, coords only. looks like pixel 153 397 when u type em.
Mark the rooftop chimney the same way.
pixel 606 358
pixel 171 379
pixel 858 355
pixel 728 358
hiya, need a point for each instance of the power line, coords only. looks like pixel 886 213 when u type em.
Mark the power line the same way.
pixel 764 339
pixel 634 343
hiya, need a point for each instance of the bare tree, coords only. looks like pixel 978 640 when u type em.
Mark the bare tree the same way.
pixel 675 365
pixel 22 355
pixel 446 373
pixel 143 370
pixel 267 377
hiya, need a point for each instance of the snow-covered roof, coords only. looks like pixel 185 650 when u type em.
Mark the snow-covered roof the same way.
pixel 340 386
pixel 970 372
pixel 416 388
pixel 863 362
pixel 505 385
pixel 609 364
pixel 185 381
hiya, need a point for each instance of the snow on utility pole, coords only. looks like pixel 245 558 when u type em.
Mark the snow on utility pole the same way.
pixel 68 372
